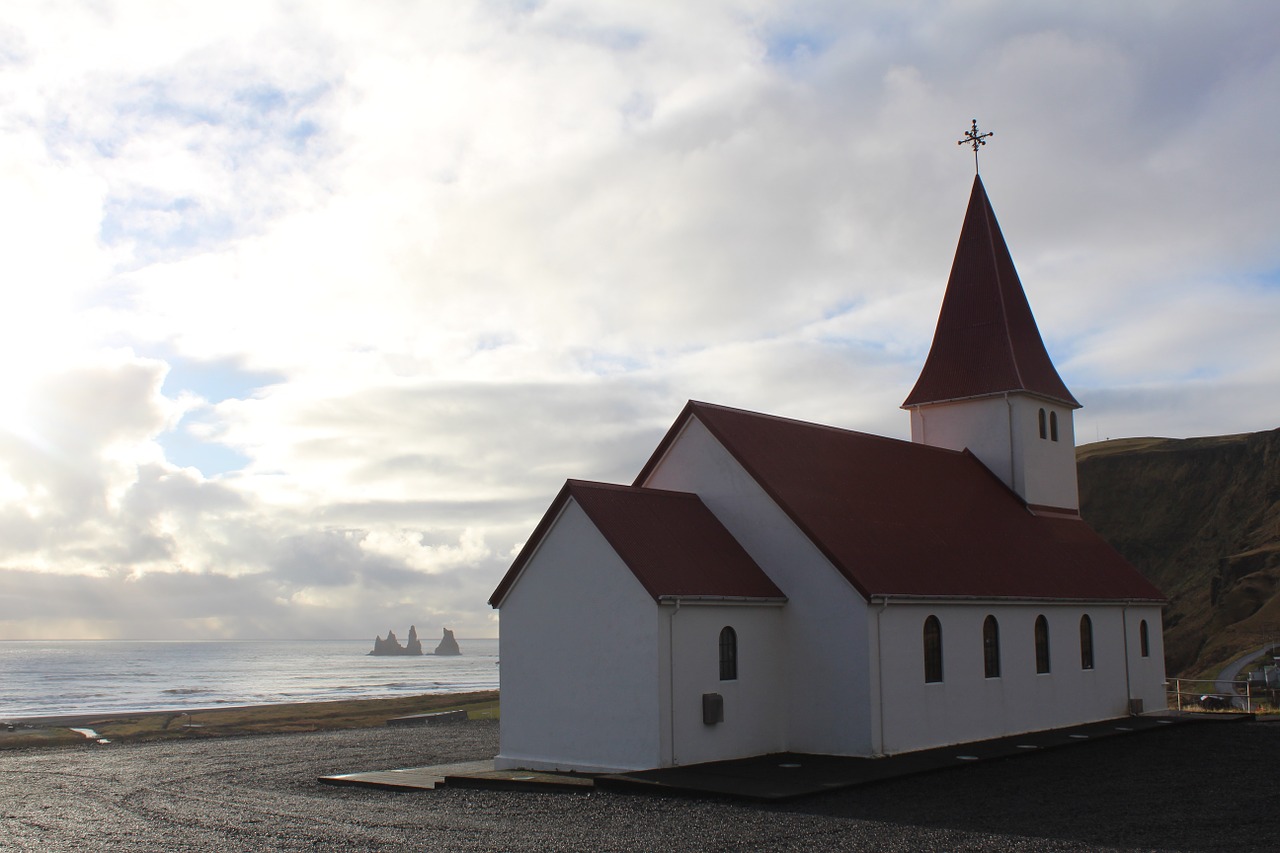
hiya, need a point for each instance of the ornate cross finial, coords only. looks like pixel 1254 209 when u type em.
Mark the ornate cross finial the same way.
pixel 977 140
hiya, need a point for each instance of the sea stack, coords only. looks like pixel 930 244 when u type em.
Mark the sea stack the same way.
pixel 391 646
pixel 448 645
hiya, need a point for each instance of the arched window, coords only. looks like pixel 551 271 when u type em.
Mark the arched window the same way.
pixel 1042 644
pixel 1053 425
pixel 1042 428
pixel 1086 642
pixel 1144 642
pixel 991 647
pixel 728 654
pixel 932 649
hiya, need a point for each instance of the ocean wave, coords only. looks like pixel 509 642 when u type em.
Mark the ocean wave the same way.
pixel 189 691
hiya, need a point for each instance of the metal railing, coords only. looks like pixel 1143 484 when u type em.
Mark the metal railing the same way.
pixel 1185 693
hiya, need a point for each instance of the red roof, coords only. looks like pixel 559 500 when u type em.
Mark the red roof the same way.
pixel 904 519
pixel 670 541
pixel 986 341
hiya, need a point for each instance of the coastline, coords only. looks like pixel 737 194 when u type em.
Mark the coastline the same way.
pixel 225 721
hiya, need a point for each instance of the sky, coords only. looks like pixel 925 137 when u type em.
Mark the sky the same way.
pixel 311 308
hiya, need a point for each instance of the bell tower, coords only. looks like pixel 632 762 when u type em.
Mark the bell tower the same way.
pixel 988 384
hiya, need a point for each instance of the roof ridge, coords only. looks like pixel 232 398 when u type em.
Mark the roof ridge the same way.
pixel 993 228
pixel 573 483
pixel 694 405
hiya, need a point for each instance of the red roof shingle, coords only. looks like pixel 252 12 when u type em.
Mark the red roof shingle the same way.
pixel 903 519
pixel 670 541
pixel 986 341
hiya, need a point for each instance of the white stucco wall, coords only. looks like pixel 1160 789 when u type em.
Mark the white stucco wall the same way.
pixel 1047 475
pixel 967 706
pixel 1004 432
pixel 581 683
pixel 826 685
pixel 754 706
pixel 1147 673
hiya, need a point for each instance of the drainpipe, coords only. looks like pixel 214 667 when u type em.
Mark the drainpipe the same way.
pixel 671 681
pixel 884 605
pixel 1124 624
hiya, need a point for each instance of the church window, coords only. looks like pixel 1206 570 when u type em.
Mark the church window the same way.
pixel 1043 431
pixel 728 654
pixel 1086 642
pixel 1042 644
pixel 932 649
pixel 1143 641
pixel 1053 426
pixel 991 647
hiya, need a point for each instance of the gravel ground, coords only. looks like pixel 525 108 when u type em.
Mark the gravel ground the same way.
pixel 1208 787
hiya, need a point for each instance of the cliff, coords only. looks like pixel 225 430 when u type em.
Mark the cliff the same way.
pixel 1200 517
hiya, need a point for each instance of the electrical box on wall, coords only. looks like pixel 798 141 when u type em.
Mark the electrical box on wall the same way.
pixel 712 708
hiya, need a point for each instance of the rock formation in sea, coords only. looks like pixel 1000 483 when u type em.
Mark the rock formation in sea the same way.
pixel 413 646
pixel 391 646
pixel 448 645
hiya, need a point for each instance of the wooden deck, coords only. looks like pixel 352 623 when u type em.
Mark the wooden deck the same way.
pixel 410 778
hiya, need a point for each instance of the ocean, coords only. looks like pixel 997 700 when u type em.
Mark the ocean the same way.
pixel 42 678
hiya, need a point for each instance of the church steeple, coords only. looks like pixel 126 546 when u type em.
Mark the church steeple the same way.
pixel 988 384
pixel 986 341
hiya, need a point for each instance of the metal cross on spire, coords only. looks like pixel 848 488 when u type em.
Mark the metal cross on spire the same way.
pixel 977 140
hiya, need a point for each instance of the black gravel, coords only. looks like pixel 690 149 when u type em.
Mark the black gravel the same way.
pixel 1208 787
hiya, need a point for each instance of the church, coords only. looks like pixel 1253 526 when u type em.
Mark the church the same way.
pixel 769 585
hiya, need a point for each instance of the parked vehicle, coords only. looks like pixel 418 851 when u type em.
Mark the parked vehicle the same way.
pixel 1214 702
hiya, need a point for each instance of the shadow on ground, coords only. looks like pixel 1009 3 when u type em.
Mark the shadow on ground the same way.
pixel 1206 787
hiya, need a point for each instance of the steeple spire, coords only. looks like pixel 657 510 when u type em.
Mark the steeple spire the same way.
pixel 986 341
pixel 988 385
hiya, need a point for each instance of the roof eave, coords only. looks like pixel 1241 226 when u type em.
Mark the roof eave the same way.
pixel 1070 403
pixel 757 601
pixel 910 598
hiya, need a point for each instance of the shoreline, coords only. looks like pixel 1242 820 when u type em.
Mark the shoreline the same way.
pixel 225 721
pixel 88 716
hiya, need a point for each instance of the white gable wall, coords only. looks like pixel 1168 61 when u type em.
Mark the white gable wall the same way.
pixel 967 706
pixel 824 624
pixel 754 705
pixel 579 649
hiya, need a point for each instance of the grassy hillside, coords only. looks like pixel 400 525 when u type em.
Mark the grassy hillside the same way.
pixel 1200 517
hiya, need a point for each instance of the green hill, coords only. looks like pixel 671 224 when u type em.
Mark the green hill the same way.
pixel 1200 517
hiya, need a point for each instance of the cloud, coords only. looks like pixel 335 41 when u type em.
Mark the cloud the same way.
pixel 311 310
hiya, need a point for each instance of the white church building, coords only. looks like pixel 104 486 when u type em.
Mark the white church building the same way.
pixel 768 585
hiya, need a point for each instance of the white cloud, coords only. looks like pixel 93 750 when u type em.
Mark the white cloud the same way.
pixel 446 255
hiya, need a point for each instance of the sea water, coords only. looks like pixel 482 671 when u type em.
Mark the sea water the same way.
pixel 41 678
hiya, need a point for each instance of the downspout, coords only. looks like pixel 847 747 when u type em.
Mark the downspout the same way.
pixel 884 605
pixel 671 682
pixel 1124 624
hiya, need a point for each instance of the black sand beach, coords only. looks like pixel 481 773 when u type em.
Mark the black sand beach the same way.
pixel 1209 787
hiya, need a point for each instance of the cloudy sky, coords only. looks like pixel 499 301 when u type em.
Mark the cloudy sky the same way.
pixel 310 308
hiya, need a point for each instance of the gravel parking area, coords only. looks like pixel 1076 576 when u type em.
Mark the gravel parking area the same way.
pixel 1207 787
